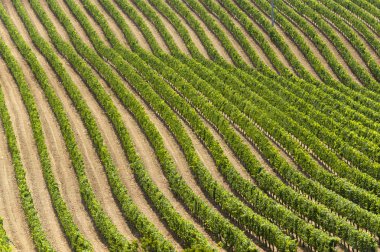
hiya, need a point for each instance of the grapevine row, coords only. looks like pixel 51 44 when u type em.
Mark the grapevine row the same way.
pixel 76 238
pixel 357 93
pixel 128 207
pixel 4 240
pixel 156 64
pixel 353 38
pixel 323 154
pixel 215 222
pixel 171 126
pixel 281 166
pixel 358 70
pixel 38 234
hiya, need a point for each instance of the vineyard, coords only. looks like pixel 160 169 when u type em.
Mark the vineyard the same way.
pixel 190 125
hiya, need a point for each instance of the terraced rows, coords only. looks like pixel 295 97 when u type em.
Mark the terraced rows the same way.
pixel 171 125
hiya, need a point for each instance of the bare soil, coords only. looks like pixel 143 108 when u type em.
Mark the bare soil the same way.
pixel 348 45
pixel 95 170
pixel 231 37
pixel 65 173
pixel 256 47
pixel 152 28
pixel 135 30
pixel 172 31
pixel 329 44
pixel 216 43
pixel 76 23
pixel 292 46
pixel 232 157
pixel 112 24
pixel 150 161
pixel 313 48
pixel 30 159
pixel 11 210
pixel 193 36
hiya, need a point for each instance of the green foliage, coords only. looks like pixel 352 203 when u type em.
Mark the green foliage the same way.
pixel 71 230
pixel 358 70
pixel 255 34
pixel 334 122
pixel 184 229
pixel 348 87
pixel 215 223
pixel 5 244
pixel 38 235
pixel 101 220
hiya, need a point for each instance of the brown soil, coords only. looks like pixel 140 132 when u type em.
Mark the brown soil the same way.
pixel 332 48
pixel 66 174
pixel 251 41
pixel 334 51
pixel 142 147
pixel 192 35
pixel 313 48
pixel 297 52
pixel 151 163
pixel 29 155
pixel 360 36
pixel 56 147
pixel 76 23
pixel 60 29
pixel 11 210
pixel 371 50
pixel 112 24
pixel 256 152
pixel 134 30
pixel 95 170
pixel 329 45
pixel 152 28
pixel 348 45
pixel 231 37
pixel 229 153
pixel 272 45
pixel 172 31
pixel 55 22
pixel 215 41
pixel 206 158
pixel 292 46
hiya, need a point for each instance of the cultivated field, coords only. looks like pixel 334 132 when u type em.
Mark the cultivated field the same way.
pixel 197 125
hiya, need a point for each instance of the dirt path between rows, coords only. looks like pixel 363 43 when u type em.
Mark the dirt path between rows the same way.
pixel 112 24
pixel 236 45
pixel 370 49
pixel 134 29
pixel 152 28
pixel 77 25
pixel 146 152
pixel 229 152
pixel 329 45
pixel 68 181
pixel 172 31
pixel 95 170
pixel 59 28
pixel 215 41
pixel 292 46
pixel 11 210
pixel 194 37
pixel 30 159
pixel 312 47
pixel 150 161
pixel 256 47
pixel 348 45
pixel 277 51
